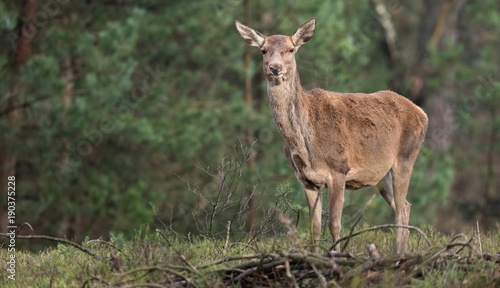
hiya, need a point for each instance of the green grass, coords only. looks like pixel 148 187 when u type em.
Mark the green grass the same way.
pixel 150 259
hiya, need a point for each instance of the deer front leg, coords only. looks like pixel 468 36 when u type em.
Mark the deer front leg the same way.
pixel 335 204
pixel 313 195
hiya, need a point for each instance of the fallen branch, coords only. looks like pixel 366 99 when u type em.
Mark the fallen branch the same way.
pixel 54 239
pixel 381 227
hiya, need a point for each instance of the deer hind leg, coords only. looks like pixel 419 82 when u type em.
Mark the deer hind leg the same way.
pixel 401 173
pixel 386 190
pixel 313 195
pixel 336 189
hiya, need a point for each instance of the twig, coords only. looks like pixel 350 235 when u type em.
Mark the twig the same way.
pixel 463 244
pixel 289 273
pixel 246 245
pixel 382 227
pixel 321 278
pixel 23 225
pixel 22 105
pixel 164 237
pixel 103 242
pixel 150 269
pixel 229 259
pixel 193 269
pixel 479 238
pixel 459 236
pixel 297 211
pixel 446 248
pixel 188 263
pixel 54 239
pixel 227 238
pixel 144 285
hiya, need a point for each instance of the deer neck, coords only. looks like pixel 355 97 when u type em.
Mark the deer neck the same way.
pixel 290 114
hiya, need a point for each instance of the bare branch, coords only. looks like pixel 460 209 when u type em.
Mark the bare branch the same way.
pixel 54 239
pixel 382 227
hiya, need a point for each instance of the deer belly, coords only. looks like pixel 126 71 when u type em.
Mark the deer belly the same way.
pixel 357 179
pixel 355 185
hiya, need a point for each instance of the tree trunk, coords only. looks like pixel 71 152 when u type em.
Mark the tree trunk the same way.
pixel 26 32
pixel 67 228
pixel 437 20
pixel 252 213
pixel 490 173
pixel 439 108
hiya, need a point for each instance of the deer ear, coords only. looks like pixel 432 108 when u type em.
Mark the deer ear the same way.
pixel 250 36
pixel 304 33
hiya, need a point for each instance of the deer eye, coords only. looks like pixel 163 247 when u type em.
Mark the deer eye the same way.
pixel 291 50
pixel 263 51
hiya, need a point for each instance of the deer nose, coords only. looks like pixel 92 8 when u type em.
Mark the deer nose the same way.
pixel 275 69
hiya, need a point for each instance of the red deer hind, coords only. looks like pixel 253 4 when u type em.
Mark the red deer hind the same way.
pixel 340 140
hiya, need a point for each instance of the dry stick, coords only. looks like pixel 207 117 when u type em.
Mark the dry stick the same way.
pixel 120 283
pixel 227 238
pixel 381 262
pixel 262 259
pixel 381 227
pixel 150 269
pixel 246 245
pixel 22 226
pixel 357 221
pixel 193 269
pixel 144 285
pixel 260 267
pixel 291 207
pixel 164 237
pixel 54 239
pixel 446 248
pixel 177 235
pixel 103 242
pixel 289 274
pixel 269 261
pixel 464 244
pixel 459 236
pixel 94 278
pixel 479 238
pixel 320 261
pixel 188 263
pixel 321 278
pixel 466 239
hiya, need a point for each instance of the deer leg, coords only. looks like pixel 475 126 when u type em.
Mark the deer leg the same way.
pixel 313 194
pixel 335 204
pixel 386 190
pixel 401 174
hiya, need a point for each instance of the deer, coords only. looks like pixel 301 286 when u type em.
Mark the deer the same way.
pixel 337 141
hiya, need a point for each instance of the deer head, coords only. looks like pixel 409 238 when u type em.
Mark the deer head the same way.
pixel 278 50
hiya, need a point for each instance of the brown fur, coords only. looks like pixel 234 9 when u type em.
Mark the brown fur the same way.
pixel 340 140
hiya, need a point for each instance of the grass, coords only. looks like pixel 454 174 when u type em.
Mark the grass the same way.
pixel 158 259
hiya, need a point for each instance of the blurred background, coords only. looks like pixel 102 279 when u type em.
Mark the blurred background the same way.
pixel 116 113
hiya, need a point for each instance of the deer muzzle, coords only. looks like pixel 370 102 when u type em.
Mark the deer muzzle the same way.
pixel 275 69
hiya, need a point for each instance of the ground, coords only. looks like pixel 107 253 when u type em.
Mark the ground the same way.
pixel 160 258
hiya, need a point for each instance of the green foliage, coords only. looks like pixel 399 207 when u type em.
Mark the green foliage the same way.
pixel 437 185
